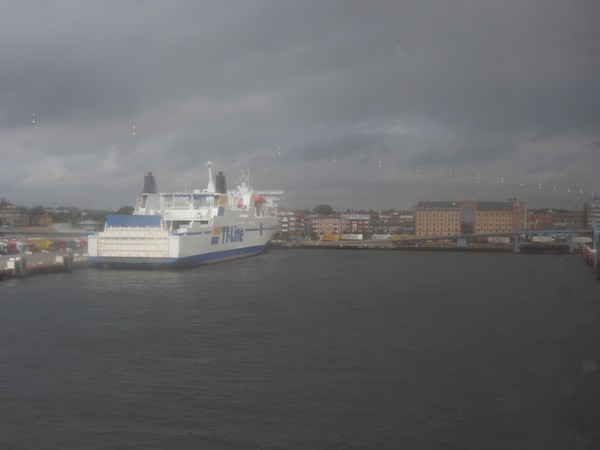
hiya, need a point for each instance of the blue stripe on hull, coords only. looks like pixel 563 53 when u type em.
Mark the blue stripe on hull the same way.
pixel 188 261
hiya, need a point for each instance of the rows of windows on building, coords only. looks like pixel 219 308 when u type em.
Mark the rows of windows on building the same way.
pixel 301 223
pixel 12 216
pixel 428 218
pixel 442 219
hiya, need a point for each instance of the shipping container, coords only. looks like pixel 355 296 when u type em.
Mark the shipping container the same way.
pixel 380 237
pixel 542 239
pixel 402 236
pixel 37 245
pixel 582 239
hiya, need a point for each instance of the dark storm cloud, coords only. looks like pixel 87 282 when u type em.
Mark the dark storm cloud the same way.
pixel 399 91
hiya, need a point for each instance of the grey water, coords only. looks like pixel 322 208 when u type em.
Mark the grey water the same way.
pixel 306 349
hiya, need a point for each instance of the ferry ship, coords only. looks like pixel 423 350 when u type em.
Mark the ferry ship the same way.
pixel 188 228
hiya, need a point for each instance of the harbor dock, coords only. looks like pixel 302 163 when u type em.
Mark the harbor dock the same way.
pixel 24 265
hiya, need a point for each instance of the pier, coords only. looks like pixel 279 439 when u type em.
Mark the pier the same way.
pixel 526 241
pixel 25 265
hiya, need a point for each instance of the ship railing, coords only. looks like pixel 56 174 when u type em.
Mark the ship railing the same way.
pixel 186 214
pixel 179 201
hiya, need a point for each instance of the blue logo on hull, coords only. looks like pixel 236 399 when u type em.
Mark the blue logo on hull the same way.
pixel 232 234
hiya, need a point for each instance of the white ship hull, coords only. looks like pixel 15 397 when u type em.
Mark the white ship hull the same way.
pixel 148 246
pixel 188 229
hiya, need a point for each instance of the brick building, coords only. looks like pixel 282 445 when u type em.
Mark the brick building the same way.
pixel 355 223
pixel 326 225
pixel 468 217
pixel 291 222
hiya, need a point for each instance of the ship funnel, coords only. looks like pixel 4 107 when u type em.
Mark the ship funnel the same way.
pixel 221 185
pixel 149 184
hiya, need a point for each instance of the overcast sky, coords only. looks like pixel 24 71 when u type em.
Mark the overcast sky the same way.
pixel 357 104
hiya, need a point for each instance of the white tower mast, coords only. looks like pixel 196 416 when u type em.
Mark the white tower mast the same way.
pixel 211 184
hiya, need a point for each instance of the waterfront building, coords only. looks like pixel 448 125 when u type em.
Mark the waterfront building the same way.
pixel 355 223
pixel 439 218
pixel 468 217
pixel 9 214
pixel 326 224
pixel 291 222
pixel 388 222
pixel 406 222
pixel 539 219
pixel 36 219
pixel 381 222
pixel 572 220
pixel 591 214
pixel 549 219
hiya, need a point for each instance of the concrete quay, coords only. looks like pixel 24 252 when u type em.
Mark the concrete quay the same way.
pixel 25 265
pixel 421 246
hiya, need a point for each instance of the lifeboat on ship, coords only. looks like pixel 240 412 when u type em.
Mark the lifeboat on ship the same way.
pixel 259 199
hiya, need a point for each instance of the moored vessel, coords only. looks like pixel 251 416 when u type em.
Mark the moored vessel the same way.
pixel 188 228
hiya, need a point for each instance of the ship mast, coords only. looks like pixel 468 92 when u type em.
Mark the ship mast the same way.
pixel 211 185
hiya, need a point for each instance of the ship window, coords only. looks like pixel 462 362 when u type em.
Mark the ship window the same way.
pixel 176 224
